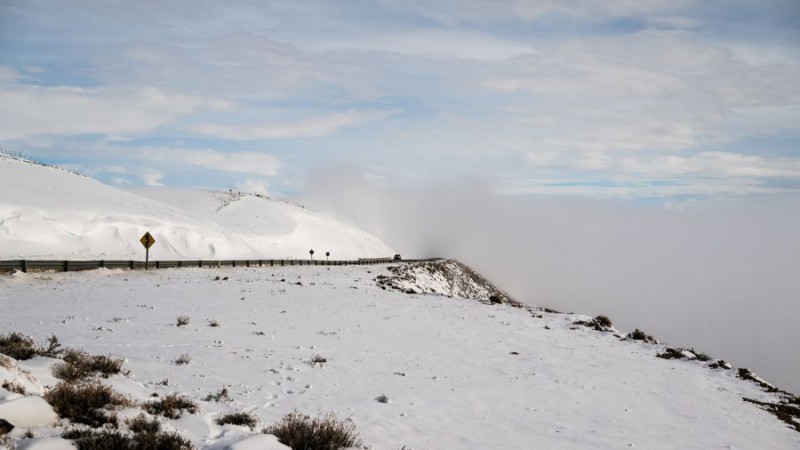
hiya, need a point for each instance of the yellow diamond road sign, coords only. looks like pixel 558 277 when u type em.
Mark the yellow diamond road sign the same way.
pixel 147 240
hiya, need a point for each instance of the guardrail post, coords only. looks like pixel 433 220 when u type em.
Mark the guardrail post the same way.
pixel 66 266
pixel 24 265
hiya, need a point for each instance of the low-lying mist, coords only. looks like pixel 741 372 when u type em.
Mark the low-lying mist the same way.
pixel 720 276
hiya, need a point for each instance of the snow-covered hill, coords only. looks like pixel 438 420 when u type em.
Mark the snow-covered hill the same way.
pixel 415 371
pixel 49 213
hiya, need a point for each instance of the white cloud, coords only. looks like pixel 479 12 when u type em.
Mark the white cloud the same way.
pixel 27 111
pixel 433 43
pixel 714 164
pixel 310 127
pixel 490 11
pixel 240 162
pixel 254 187
pixel 8 75
pixel 150 177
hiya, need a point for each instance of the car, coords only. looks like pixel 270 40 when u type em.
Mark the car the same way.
pixel 397 257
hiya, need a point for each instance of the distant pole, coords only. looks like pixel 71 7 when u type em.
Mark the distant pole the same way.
pixel 327 256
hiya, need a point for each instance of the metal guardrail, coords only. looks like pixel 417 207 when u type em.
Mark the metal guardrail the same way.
pixel 25 265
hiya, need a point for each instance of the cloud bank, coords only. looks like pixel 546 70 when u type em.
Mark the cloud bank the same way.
pixel 718 276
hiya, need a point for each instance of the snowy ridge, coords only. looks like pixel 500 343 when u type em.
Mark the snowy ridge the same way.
pixel 49 213
pixel 492 375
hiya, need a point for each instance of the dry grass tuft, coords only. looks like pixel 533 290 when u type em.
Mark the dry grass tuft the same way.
pixel 172 406
pixel 79 365
pixel 302 432
pixel 238 418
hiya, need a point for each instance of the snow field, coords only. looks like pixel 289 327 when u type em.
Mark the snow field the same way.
pixel 445 364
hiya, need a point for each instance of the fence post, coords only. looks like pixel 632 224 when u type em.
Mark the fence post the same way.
pixel 66 266
pixel 24 265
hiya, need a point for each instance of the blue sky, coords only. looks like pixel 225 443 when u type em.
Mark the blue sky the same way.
pixel 621 98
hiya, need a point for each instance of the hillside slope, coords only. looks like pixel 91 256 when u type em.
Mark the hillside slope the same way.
pixel 455 373
pixel 49 213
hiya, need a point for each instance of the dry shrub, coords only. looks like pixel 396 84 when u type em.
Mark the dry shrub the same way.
pixel 79 365
pixel 141 424
pixel 639 335
pixel 16 388
pixel 238 418
pixel 85 403
pixel 302 432
pixel 21 347
pixel 183 360
pixel 172 406
pixel 671 353
pixel 182 321
pixel 117 440
pixel 219 396
pixel 599 323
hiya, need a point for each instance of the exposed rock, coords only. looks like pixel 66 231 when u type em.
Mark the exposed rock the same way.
pixel 444 277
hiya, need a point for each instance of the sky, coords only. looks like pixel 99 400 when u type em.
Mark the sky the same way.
pixel 634 158
pixel 638 99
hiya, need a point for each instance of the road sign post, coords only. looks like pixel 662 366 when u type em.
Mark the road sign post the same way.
pixel 311 252
pixel 147 241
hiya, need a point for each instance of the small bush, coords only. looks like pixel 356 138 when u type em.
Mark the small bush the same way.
pixel 141 424
pixel 603 321
pixel 16 388
pixel 639 335
pixel 21 347
pixel 671 353
pixel 214 323
pixel 318 359
pixel 238 418
pixel 219 396
pixel 599 323
pixel 700 356
pixel 85 403
pixel 182 321
pixel 117 440
pixel 79 365
pixel 720 364
pixel 183 359
pixel 382 399
pixel 302 432
pixel 172 406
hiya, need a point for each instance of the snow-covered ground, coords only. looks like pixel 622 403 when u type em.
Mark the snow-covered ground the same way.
pixel 49 213
pixel 458 373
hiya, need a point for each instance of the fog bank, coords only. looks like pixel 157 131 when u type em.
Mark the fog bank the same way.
pixel 720 276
